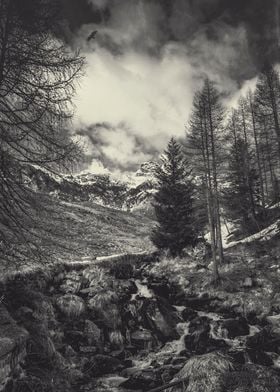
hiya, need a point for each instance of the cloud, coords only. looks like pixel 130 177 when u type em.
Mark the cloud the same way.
pixel 148 59
pixel 116 146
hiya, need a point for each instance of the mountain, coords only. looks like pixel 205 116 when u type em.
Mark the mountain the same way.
pixel 134 194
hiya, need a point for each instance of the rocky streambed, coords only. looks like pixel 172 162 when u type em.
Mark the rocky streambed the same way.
pixel 114 327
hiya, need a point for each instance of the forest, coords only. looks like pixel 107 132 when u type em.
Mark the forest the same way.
pixel 167 280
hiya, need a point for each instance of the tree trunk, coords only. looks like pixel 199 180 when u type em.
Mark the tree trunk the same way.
pixel 257 151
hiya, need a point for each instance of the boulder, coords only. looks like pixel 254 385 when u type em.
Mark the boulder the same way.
pixel 92 333
pixel 144 380
pixel 201 303
pixel 188 314
pixel 266 340
pixel 235 327
pixel 71 305
pixel 100 364
pixel 88 349
pixel 125 288
pixel 274 321
pixel 199 340
pixel 143 339
pixel 159 319
pixel 259 357
pixel 168 371
pixel 247 283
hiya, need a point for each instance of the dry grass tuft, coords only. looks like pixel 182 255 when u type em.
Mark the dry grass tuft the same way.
pixel 205 373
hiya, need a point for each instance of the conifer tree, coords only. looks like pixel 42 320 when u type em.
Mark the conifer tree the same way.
pixel 243 184
pixel 204 145
pixel 38 74
pixel 173 203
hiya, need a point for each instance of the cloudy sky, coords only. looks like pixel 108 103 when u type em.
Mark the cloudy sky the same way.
pixel 147 60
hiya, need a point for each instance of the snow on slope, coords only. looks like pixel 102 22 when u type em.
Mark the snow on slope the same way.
pixel 263 235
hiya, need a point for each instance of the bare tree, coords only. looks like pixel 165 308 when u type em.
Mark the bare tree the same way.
pixel 203 138
pixel 37 83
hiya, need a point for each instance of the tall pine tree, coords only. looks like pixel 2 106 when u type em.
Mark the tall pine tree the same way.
pixel 242 196
pixel 173 203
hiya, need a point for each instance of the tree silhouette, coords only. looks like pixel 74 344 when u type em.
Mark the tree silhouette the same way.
pixel 37 75
pixel 173 203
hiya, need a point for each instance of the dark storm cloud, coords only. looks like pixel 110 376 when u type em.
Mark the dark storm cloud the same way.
pixel 183 20
pixel 150 56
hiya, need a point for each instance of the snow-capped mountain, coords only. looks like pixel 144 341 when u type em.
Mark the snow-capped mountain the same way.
pixel 133 193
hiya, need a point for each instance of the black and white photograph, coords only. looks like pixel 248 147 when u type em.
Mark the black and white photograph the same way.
pixel 139 195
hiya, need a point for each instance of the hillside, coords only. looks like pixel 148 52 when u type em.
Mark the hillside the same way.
pixel 133 193
pixel 85 230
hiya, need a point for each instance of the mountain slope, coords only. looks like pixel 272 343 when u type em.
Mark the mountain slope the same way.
pixel 133 194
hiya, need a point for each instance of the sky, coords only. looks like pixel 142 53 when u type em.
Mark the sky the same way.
pixel 146 62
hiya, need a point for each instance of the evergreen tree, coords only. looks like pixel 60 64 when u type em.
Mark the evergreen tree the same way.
pixel 243 184
pixel 173 203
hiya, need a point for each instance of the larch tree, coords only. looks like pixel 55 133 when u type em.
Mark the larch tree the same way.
pixel 242 185
pixel 37 83
pixel 267 100
pixel 204 146
pixel 173 203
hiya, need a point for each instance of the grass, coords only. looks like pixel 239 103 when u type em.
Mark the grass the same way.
pixel 85 231
pixel 205 373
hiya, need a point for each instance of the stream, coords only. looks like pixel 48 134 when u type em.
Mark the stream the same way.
pixel 114 330
pixel 165 353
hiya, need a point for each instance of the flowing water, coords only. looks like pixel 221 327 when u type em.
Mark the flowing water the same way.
pixel 173 348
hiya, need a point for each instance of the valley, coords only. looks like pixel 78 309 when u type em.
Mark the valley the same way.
pixel 135 322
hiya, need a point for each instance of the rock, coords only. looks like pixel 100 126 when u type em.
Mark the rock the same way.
pixel 143 380
pixel 69 352
pixel 202 303
pixel 128 372
pixel 12 345
pixel 199 324
pixel 235 327
pixel 237 356
pixel 168 371
pixel 92 333
pixel 189 314
pixel 72 283
pixel 274 321
pixel 266 340
pixel 259 357
pixel 100 364
pixel 88 349
pixel 143 339
pixel 198 338
pixel 160 288
pixel 71 305
pixel 125 288
pixel 179 361
pixel 247 283
pixel 128 363
pixel 75 338
pixel 160 319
